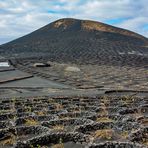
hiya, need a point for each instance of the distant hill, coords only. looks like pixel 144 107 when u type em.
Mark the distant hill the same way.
pixel 81 41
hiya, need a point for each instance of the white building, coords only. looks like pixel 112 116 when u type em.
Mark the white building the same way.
pixel 4 64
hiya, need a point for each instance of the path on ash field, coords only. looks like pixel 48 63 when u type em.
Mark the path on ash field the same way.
pixel 14 82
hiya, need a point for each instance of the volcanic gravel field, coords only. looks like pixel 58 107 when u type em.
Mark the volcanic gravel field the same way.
pixel 90 75
pixel 101 121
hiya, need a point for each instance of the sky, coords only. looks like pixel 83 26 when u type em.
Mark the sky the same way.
pixel 20 17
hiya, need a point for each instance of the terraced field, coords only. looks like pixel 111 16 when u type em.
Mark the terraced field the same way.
pixel 101 121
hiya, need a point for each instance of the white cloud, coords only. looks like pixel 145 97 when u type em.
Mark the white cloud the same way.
pixel 134 23
pixel 19 17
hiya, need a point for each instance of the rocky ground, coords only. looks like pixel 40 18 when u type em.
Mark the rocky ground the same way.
pixel 69 105
pixel 100 121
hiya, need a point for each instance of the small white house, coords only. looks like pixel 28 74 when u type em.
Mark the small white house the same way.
pixel 4 64
pixel 41 65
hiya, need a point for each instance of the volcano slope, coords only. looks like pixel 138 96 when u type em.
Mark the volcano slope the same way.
pixel 75 83
pixel 82 42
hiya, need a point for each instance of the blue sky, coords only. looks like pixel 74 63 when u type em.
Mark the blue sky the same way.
pixel 20 17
